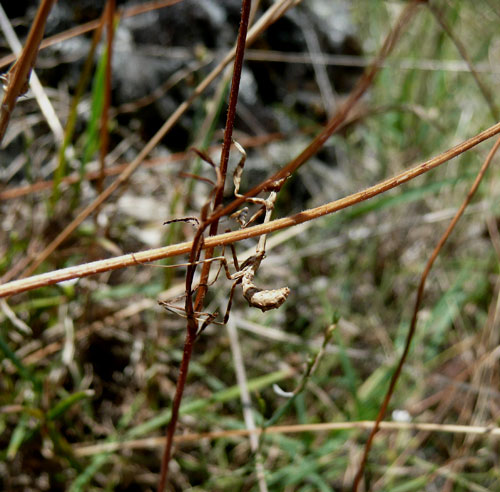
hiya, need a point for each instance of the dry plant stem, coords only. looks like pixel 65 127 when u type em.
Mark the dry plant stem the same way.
pixel 103 151
pixel 228 136
pixel 154 442
pixel 190 307
pixel 151 255
pixel 418 301
pixel 19 74
pixel 271 15
pixel 91 25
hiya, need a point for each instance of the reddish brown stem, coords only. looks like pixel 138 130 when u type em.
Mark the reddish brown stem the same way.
pixel 181 382
pixel 418 302
pixel 228 134
pixel 192 324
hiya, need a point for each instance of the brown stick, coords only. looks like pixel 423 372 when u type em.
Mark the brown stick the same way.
pixel 418 301
pixel 192 323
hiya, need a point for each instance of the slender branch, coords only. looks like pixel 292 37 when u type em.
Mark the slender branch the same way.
pixel 95 267
pixel 181 382
pixel 155 442
pixel 418 302
pixel 192 323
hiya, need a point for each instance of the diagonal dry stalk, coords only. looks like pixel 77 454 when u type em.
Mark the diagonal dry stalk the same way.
pixel 416 309
pixel 340 116
pixel 154 442
pixel 19 74
pixel 148 256
pixel 35 85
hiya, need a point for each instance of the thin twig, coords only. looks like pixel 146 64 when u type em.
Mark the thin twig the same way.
pixel 101 266
pixel 156 442
pixel 190 307
pixel 418 301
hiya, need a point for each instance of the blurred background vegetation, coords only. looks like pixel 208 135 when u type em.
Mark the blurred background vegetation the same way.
pixel 95 361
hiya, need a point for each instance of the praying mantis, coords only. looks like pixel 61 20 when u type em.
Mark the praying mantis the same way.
pixel 263 299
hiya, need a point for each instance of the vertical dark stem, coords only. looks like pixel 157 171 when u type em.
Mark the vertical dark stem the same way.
pixel 246 6
pixel 181 382
pixel 192 323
